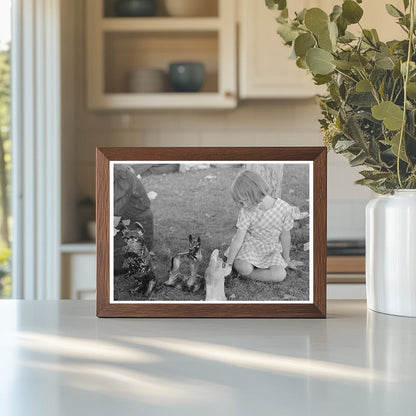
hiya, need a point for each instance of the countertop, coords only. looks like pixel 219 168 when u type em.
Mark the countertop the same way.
pixel 57 358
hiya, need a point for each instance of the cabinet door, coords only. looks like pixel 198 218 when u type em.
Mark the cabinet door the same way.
pixel 265 68
pixel 266 71
pixel 78 276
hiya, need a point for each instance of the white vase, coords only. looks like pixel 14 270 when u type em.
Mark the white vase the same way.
pixel 391 253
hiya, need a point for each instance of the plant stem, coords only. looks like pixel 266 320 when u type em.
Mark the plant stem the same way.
pixel 405 81
pixel 346 75
pixel 373 88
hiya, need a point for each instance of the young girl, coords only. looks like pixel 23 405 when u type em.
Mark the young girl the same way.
pixel 261 246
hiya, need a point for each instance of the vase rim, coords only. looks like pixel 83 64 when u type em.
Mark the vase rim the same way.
pixel 405 191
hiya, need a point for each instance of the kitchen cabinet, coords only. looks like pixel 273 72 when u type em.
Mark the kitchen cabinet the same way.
pixel 78 263
pixel 265 70
pixel 118 45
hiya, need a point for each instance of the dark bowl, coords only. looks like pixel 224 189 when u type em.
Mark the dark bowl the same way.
pixel 135 8
pixel 186 76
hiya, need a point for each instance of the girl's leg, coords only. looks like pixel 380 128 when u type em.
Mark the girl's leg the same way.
pixel 273 274
pixel 243 267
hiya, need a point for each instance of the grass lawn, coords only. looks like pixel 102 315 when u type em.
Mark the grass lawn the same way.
pixel 199 203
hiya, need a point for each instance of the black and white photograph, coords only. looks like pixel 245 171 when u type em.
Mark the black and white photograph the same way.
pixel 211 232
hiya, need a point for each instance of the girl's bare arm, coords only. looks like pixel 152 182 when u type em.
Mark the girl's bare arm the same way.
pixel 235 246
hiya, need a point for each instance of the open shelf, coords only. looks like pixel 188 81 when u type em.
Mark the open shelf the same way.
pixel 127 51
pixel 210 9
pixel 116 46
pixel 160 24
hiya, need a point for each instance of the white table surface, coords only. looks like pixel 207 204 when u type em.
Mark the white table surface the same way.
pixel 57 358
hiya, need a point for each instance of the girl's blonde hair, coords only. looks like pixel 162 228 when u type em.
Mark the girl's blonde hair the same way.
pixel 249 188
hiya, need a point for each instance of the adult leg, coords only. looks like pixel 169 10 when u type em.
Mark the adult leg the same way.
pixel 146 219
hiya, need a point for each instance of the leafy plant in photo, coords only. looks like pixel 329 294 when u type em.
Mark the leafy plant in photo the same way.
pixel 369 111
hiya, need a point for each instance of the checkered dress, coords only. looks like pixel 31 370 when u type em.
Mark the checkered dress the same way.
pixel 261 246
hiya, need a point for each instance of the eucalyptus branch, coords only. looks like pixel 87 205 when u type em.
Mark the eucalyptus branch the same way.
pixel 345 75
pixel 406 79
pixel 373 88
pixel 392 91
pixel 398 95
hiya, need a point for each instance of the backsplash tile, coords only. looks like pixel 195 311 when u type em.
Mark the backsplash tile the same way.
pixel 258 123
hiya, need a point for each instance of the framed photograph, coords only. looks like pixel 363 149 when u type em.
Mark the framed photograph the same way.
pixel 211 232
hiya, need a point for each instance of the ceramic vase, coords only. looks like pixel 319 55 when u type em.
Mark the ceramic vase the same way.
pixel 391 253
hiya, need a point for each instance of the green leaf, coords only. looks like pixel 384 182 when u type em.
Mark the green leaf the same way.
pixel 382 89
pixel 406 4
pixel 394 143
pixel 377 75
pixel 343 145
pixel 374 174
pixel 354 132
pixel 287 33
pixel 374 150
pixel 276 4
pixel 316 20
pixel 342 25
pixel 365 182
pixel 405 21
pixel 347 37
pixel 301 63
pixel 301 15
pixel 336 12
pixel 358 61
pixel 396 70
pixel 368 36
pixel 333 32
pixel 375 35
pixel 351 11
pixel 391 114
pixel 319 61
pixel 325 42
pixel 344 65
pixel 412 67
pixel 384 62
pixel 363 86
pixel 303 43
pixel 393 11
pixel 411 90
pixel 321 79
pixel 358 160
pixel 362 99
pixel 281 19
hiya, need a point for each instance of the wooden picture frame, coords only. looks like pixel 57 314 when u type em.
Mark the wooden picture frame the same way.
pixel 110 302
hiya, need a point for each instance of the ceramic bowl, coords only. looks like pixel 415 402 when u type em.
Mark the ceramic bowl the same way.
pixel 135 8
pixel 147 80
pixel 186 76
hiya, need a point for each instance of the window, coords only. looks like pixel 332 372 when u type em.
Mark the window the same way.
pixel 5 147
